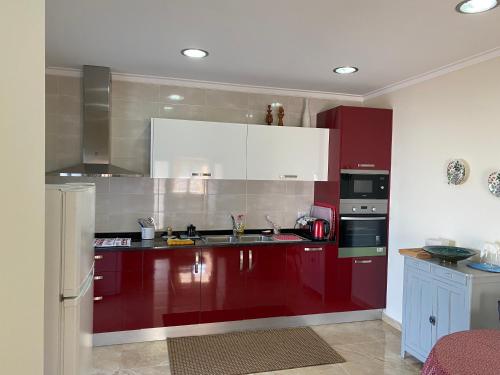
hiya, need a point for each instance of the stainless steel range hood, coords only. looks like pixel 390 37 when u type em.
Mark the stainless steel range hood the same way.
pixel 96 143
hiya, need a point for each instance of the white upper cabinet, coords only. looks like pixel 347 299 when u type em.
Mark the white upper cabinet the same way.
pixel 287 153
pixel 198 149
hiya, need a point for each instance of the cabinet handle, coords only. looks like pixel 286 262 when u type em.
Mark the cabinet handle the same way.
pixel 366 261
pixel 366 165
pixel 194 174
pixel 250 260
pixel 313 249
pixel 98 277
pixel 98 257
pixel 241 260
pixel 207 174
pixel 98 298
pixel 432 320
pixel 285 176
pixel 197 262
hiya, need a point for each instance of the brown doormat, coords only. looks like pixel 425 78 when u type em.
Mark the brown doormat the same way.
pixel 249 352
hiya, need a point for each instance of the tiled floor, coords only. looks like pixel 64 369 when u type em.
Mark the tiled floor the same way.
pixel 370 348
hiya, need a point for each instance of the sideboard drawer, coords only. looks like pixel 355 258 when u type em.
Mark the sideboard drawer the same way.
pixel 449 275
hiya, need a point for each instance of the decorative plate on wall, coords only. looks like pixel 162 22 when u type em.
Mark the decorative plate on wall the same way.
pixel 457 172
pixel 494 183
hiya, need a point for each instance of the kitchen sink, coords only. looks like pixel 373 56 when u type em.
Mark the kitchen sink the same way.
pixel 246 238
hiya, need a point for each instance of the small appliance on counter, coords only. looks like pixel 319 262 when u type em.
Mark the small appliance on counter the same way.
pixel 320 224
pixel 190 233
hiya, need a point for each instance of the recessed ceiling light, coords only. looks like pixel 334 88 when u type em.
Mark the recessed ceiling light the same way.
pixel 345 70
pixel 176 97
pixel 476 6
pixel 194 53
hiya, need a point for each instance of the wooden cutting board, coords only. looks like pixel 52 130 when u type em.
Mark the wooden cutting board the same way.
pixel 416 253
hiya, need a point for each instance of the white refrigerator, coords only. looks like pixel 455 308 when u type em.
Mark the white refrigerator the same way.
pixel 69 278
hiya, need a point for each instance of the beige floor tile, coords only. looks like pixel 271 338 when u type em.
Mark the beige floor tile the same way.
pixel 369 348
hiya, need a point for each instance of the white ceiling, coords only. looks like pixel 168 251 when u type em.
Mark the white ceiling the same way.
pixel 282 43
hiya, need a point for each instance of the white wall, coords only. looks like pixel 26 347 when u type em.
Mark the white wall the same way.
pixel 453 116
pixel 22 97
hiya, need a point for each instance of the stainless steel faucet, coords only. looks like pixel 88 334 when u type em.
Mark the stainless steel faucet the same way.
pixel 276 227
pixel 235 230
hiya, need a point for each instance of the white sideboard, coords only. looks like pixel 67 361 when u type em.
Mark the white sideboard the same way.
pixel 439 299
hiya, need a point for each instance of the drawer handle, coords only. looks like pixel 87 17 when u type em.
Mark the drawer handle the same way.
pixel 197 262
pixel 241 260
pixel 98 277
pixel 285 176
pixel 207 174
pixel 367 261
pixel 313 249
pixel 98 257
pixel 98 298
pixel 362 165
pixel 194 174
pixel 432 320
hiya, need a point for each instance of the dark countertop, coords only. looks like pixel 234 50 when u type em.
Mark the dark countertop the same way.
pixel 160 243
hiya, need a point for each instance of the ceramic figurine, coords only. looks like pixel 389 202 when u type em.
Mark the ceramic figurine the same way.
pixel 269 116
pixel 281 114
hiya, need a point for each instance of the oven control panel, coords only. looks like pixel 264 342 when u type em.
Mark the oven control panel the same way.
pixel 364 207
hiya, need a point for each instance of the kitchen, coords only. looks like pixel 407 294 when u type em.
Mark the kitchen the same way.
pixel 333 152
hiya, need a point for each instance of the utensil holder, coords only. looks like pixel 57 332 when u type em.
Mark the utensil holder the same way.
pixel 147 233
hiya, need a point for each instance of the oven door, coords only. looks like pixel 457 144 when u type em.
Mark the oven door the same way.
pixel 362 235
pixel 364 186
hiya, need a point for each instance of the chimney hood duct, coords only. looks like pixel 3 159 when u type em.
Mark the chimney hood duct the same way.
pixel 96 140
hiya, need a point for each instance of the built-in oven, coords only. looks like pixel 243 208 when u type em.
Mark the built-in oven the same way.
pixel 364 184
pixel 362 228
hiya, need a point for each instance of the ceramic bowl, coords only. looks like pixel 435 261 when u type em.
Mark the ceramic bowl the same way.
pixel 449 253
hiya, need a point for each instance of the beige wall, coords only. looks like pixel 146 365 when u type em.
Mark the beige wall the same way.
pixel 453 116
pixel 22 33
pixel 206 204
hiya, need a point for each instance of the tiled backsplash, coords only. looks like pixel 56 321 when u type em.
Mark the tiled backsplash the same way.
pixel 207 204
pixel 176 203
pixel 133 105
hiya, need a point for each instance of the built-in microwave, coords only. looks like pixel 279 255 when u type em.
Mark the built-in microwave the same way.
pixel 364 184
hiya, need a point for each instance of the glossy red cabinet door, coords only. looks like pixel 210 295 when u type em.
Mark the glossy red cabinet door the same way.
pixel 266 281
pixel 223 284
pixel 360 283
pixel 365 136
pixel 306 272
pixel 171 282
pixel 117 288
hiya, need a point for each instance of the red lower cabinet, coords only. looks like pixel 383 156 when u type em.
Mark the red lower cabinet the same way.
pixel 359 284
pixel 117 289
pixel 171 282
pixel 265 291
pixel 223 284
pixel 306 275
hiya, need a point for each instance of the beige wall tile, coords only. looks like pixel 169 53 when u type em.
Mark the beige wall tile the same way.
pixel 136 91
pixel 191 95
pixel 131 185
pixel 217 114
pixel 69 105
pixel 133 110
pixel 51 105
pixel 290 103
pixel 122 147
pixel 181 111
pixel 226 99
pixel 51 86
pixel 226 187
pixel 70 86
pixel 126 128
pixel 266 187
pixel 230 203
pixel 138 165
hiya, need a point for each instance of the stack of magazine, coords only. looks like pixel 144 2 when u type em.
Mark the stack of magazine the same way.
pixel 112 242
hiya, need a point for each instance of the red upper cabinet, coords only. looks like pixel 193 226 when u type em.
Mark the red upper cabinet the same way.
pixel 223 284
pixel 365 137
pixel 171 294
